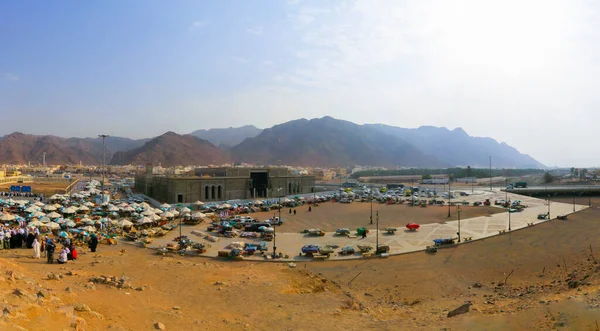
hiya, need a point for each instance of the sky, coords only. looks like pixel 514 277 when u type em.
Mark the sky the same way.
pixel 522 72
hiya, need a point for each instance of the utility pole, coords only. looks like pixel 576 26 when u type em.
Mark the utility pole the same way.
pixel 377 232
pixel 490 174
pixel 449 196
pixel 371 201
pixel 103 136
pixel 44 160
pixel 458 233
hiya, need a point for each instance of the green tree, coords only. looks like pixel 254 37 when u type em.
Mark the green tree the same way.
pixel 548 178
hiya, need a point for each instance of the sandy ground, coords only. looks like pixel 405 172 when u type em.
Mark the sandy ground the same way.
pixel 406 292
pixel 330 216
pixel 39 188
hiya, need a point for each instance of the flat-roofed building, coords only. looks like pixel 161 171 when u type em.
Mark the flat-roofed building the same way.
pixel 220 184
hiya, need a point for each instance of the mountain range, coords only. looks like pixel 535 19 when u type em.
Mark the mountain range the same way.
pixel 325 142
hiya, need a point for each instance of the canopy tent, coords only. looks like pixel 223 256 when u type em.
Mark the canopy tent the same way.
pixel 39 204
pixel 69 210
pixel 38 214
pixel 165 206
pixel 155 217
pixel 83 209
pixel 49 208
pixel 168 214
pixel 185 210
pixel 52 226
pixel 124 223
pixel 113 208
pixel 53 215
pixel 31 209
pixel 7 217
pixel 148 212
pixel 88 228
pixel 44 219
pixel 198 203
pixel 36 223
pixel 88 204
pixel 144 220
pixel 198 215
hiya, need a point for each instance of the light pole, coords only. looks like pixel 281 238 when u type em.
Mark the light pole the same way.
pixel 548 206
pixel 491 174
pixel 458 233
pixel 103 136
pixel 449 196
pixel 509 218
pixel 573 203
pixel 377 234
pixel 274 235
pixel 371 201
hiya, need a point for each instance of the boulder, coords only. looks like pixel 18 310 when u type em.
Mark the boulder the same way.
pixel 460 310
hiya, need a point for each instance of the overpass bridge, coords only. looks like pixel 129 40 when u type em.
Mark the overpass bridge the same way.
pixel 554 190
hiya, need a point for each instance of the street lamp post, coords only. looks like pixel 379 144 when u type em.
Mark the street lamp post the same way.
pixel 449 197
pixel 491 174
pixel 377 234
pixel 274 234
pixel 103 136
pixel 509 218
pixel 549 206
pixel 458 209
pixel 371 201
pixel 573 203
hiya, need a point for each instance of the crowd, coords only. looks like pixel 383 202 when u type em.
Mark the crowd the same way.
pixel 21 194
pixel 18 236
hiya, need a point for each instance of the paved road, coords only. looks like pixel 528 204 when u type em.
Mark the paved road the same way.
pixel 403 241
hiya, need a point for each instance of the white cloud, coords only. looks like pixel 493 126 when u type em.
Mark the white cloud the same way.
pixel 198 24
pixel 268 63
pixel 11 77
pixel 516 71
pixel 238 59
pixel 256 30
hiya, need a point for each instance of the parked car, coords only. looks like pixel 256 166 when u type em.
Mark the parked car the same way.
pixel 275 221
pixel 255 227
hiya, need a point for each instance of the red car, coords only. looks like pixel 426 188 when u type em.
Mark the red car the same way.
pixel 412 226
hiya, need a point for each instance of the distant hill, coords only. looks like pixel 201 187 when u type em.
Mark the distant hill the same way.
pixel 171 149
pixel 20 148
pixel 323 142
pixel 118 144
pixel 457 148
pixel 228 137
pixel 328 142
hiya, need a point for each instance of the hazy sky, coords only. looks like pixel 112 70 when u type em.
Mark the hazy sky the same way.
pixel 521 72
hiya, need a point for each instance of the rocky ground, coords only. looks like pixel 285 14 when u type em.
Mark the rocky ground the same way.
pixel 543 277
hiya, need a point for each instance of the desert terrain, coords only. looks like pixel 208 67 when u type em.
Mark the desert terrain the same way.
pixel 543 277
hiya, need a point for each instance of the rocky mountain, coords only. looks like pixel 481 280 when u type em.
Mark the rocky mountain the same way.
pixel 171 149
pixel 118 144
pixel 317 142
pixel 228 137
pixel 20 148
pixel 329 142
pixel 457 148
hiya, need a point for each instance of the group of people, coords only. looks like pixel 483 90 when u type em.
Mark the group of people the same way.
pixel 21 194
pixel 17 237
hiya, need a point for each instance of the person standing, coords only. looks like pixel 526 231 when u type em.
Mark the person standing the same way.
pixel 93 243
pixel 50 247
pixel 36 249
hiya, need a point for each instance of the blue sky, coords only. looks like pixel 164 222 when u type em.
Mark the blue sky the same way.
pixel 517 71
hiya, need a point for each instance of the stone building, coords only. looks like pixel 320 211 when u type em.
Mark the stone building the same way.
pixel 220 184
